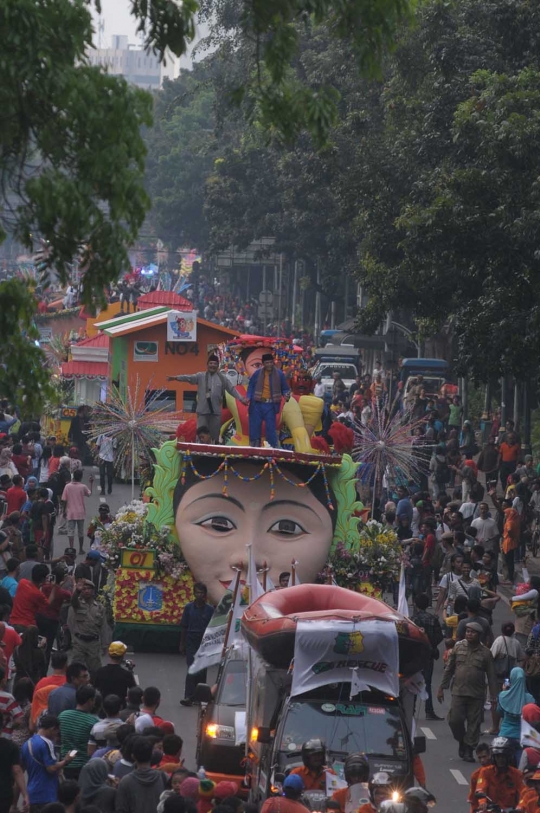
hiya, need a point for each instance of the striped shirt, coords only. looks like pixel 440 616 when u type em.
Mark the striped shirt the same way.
pixel 11 712
pixel 75 728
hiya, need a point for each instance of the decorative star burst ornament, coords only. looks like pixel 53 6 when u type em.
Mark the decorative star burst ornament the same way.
pixel 136 423
pixel 385 446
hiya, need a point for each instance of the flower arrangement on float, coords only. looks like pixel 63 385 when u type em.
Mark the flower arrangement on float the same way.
pixel 370 564
pixel 130 530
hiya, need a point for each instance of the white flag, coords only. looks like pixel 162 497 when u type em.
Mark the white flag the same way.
pixel 211 649
pixel 415 684
pixel 242 603
pixel 255 587
pixel 357 685
pixel 530 738
pixel 402 606
pixel 296 576
pixel 269 584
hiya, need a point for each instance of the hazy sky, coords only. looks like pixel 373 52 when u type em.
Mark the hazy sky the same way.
pixel 115 14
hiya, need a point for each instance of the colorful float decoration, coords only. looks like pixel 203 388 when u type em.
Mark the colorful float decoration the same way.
pixel 296 504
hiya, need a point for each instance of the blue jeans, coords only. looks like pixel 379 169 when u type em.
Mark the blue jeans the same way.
pixel 259 412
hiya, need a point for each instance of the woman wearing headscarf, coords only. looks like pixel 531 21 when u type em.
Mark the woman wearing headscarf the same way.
pixel 95 790
pixel 29 657
pixel 510 706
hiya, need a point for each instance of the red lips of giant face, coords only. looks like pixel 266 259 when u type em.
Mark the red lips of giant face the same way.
pixel 227 585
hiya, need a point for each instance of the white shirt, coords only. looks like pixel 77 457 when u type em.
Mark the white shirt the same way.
pixel 105 445
pixel 319 390
pixel 469 509
pixel 503 643
pixel 487 529
pixel 442 528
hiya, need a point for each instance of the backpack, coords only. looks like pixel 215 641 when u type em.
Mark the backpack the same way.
pixel 442 472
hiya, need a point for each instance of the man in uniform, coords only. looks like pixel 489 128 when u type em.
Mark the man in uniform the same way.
pixel 469 664
pixel 88 626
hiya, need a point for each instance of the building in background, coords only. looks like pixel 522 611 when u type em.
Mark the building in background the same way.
pixel 133 63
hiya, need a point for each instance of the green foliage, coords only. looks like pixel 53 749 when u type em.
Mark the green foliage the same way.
pixel 24 379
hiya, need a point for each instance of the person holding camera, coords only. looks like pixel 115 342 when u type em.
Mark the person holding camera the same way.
pixel 117 676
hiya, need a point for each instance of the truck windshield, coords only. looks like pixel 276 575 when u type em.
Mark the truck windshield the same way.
pixel 232 686
pixel 345 727
pixel 328 370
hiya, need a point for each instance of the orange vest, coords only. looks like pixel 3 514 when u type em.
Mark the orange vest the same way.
pixel 313 781
pixel 504 787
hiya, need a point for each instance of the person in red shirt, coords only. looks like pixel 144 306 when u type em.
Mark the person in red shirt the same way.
pixel 48 619
pixel 29 600
pixel 23 462
pixel 172 758
pixel 9 639
pixel 16 495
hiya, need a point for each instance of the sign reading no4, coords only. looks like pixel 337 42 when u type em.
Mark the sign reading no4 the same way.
pixel 181 348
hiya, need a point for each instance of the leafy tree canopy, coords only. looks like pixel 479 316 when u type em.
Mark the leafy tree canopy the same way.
pixel 72 155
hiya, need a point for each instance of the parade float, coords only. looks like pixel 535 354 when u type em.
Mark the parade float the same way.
pixel 297 506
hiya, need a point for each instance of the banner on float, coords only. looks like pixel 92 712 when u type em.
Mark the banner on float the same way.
pixel 211 649
pixel 335 651
pixel 181 326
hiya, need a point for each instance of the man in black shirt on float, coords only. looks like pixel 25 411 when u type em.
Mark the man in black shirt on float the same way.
pixel 115 678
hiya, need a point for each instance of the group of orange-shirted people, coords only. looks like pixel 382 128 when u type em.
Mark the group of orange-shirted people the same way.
pixel 362 793
pixel 499 781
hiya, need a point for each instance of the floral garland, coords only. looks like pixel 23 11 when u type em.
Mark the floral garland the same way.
pixel 130 529
pixel 176 594
pixel 271 465
pixel 376 551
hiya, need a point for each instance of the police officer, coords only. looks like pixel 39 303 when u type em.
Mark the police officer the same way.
pixel 88 626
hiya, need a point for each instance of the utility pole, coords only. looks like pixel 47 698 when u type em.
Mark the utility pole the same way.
pixel 294 293
pixel 317 328
pixel 280 291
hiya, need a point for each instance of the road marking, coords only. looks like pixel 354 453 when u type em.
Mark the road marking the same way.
pixel 458 776
pixel 102 499
pixel 428 733
pixel 136 679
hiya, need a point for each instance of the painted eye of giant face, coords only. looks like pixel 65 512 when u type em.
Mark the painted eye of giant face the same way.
pixel 218 523
pixel 287 527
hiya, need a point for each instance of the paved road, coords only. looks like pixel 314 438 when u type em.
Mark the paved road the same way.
pixel 447 775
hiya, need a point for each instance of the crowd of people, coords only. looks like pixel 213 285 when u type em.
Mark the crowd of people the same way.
pixel 81 741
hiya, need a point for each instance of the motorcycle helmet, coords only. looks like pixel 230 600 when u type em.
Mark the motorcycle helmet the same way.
pixel 356 769
pixel 380 780
pixel 418 800
pixel 501 751
pixel 500 745
pixel 312 747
